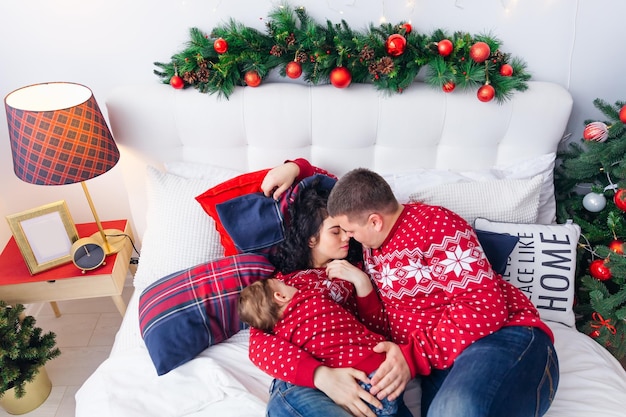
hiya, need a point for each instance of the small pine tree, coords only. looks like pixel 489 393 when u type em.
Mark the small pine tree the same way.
pixel 23 349
pixel 590 181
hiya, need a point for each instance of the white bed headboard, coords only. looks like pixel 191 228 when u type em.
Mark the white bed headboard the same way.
pixel 337 129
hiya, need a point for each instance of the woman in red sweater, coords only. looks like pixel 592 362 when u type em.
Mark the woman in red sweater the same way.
pixel 313 255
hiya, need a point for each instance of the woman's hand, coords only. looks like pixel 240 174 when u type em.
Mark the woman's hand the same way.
pixel 392 375
pixel 278 179
pixel 341 386
pixel 340 268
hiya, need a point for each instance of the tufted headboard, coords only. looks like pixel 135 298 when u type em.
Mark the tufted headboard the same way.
pixel 337 129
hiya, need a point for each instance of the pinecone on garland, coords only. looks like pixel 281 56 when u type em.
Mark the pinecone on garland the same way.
pixel 301 57
pixel 203 75
pixel 366 54
pixel 385 65
pixel 277 50
pixel 190 77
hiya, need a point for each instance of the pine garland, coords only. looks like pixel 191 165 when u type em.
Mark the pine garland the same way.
pixel 598 163
pixel 292 36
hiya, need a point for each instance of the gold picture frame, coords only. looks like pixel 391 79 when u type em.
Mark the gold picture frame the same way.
pixel 44 235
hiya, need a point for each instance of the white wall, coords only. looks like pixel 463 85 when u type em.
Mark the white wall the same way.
pixel 104 43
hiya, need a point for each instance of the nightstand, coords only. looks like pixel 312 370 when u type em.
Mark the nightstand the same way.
pixel 67 282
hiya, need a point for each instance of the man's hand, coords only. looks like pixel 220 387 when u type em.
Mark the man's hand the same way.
pixel 392 375
pixel 279 179
pixel 341 386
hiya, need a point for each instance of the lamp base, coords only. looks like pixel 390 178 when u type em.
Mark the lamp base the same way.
pixel 115 238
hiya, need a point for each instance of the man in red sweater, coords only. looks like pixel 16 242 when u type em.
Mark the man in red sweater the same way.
pixel 475 339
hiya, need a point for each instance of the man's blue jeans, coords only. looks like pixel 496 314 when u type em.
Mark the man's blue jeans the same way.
pixel 513 372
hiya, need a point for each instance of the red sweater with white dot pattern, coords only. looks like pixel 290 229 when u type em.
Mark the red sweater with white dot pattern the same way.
pixel 316 333
pixel 439 290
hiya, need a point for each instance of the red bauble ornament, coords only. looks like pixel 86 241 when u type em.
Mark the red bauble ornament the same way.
pixel 622 114
pixel 448 87
pixel 220 45
pixel 599 270
pixel 486 93
pixel 407 28
pixel 506 70
pixel 445 47
pixel 596 131
pixel 395 44
pixel 595 334
pixel 617 246
pixel 479 52
pixel 177 82
pixel 620 199
pixel 293 69
pixel 252 78
pixel 340 77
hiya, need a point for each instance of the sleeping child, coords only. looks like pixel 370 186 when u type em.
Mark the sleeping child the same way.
pixel 313 321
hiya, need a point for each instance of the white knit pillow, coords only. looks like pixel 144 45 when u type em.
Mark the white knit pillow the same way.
pixel 405 183
pixel 179 234
pixel 509 200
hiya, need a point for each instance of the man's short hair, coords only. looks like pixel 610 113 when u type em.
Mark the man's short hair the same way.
pixel 359 193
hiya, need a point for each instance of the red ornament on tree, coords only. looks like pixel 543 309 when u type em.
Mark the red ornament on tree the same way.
pixel 622 114
pixel 220 45
pixel 620 199
pixel 448 87
pixel 479 52
pixel 599 270
pixel 340 77
pixel 395 45
pixel 293 69
pixel 617 246
pixel 252 78
pixel 177 82
pixel 595 334
pixel 506 70
pixel 486 93
pixel 445 47
pixel 407 28
pixel 596 131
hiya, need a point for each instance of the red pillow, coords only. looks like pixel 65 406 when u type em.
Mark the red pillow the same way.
pixel 235 187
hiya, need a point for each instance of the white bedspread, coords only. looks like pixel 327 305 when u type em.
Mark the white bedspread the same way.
pixel 126 384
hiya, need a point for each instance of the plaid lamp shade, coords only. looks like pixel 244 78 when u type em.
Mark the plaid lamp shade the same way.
pixel 58 134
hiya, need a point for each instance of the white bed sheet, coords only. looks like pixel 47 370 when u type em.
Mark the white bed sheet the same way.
pixel 221 381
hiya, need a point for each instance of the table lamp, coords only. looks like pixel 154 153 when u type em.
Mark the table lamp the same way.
pixel 59 136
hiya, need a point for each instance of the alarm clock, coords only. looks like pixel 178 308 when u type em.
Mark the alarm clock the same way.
pixel 87 253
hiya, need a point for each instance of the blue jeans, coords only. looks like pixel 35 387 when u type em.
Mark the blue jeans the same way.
pixel 513 372
pixel 390 408
pixel 288 400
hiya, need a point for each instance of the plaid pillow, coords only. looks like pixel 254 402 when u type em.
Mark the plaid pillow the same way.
pixel 183 313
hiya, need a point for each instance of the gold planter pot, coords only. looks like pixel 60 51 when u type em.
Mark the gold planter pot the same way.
pixel 37 392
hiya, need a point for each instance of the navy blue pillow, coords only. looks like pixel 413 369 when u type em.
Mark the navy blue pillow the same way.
pixel 497 247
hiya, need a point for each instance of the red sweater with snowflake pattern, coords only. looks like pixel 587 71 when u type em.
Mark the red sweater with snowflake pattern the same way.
pixel 293 352
pixel 439 291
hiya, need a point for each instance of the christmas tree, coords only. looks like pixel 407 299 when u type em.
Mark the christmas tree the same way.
pixel 591 190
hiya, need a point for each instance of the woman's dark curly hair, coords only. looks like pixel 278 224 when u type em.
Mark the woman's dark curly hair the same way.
pixel 306 214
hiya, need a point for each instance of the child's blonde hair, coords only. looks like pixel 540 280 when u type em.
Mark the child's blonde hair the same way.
pixel 257 306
